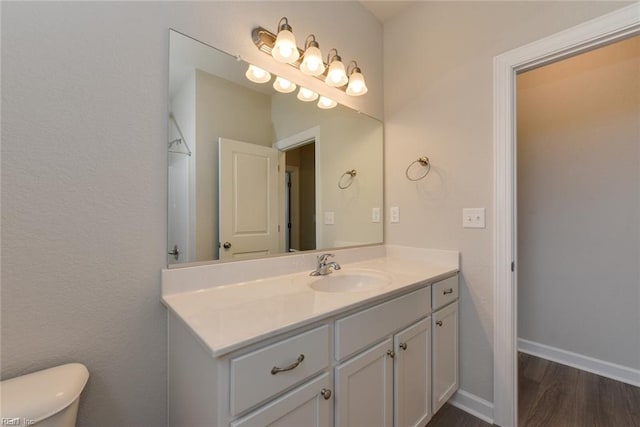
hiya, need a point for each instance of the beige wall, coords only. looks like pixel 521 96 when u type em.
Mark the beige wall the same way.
pixel 438 102
pixel 84 178
pixel 579 204
pixel 228 110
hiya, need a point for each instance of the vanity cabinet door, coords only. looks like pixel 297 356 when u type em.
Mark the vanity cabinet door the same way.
pixel 310 405
pixel 364 388
pixel 445 354
pixel 412 375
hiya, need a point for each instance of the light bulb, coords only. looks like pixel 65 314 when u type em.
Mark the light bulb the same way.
pixel 326 103
pixel 285 48
pixel 336 76
pixel 307 95
pixel 357 85
pixel 285 51
pixel 312 62
pixel 257 75
pixel 283 85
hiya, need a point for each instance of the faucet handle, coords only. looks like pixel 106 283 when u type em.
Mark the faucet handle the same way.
pixel 324 257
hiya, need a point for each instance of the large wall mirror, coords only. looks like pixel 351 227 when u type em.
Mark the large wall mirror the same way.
pixel 253 172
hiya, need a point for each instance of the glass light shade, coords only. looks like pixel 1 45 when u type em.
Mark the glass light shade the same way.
pixel 307 95
pixel 284 85
pixel 285 49
pixel 312 64
pixel 336 76
pixel 257 74
pixel 326 103
pixel 357 85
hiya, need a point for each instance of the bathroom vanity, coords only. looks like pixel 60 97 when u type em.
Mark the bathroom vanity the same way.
pixel 373 344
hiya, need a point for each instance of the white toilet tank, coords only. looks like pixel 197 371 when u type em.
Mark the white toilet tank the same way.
pixel 47 398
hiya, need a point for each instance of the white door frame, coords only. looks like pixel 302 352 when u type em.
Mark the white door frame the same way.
pixel 298 140
pixel 598 32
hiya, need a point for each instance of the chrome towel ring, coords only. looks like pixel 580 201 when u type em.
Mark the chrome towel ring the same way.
pixel 423 161
pixel 342 183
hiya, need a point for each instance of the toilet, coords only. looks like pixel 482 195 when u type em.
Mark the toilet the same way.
pixel 47 398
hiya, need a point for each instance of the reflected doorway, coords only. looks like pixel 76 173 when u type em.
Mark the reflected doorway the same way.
pixel 300 198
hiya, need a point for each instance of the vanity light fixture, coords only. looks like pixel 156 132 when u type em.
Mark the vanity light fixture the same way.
pixel 257 74
pixel 336 75
pixel 307 95
pixel 326 103
pixel 282 47
pixel 283 85
pixel 285 48
pixel 356 85
pixel 312 63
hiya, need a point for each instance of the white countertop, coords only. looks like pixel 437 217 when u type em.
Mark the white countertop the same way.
pixel 231 316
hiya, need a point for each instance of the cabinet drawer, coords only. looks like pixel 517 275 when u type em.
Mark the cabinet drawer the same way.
pixel 361 329
pixel 265 372
pixel 444 292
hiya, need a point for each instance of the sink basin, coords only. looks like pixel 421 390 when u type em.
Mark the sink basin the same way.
pixel 352 281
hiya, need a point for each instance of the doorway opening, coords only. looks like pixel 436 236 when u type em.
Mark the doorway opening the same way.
pixel 578 234
pixel 300 198
pixel 601 31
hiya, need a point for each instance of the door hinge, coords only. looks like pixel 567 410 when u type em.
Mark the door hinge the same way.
pixel 513 266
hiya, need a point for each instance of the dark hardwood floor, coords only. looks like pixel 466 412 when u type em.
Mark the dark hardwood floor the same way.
pixel 450 416
pixel 557 395
pixel 554 395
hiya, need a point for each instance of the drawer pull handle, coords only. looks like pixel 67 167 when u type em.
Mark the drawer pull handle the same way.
pixel 439 322
pixel 447 291
pixel 291 367
pixel 403 345
pixel 391 353
pixel 326 393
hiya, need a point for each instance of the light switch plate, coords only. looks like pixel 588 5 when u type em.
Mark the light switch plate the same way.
pixel 395 214
pixel 375 215
pixel 328 218
pixel 473 218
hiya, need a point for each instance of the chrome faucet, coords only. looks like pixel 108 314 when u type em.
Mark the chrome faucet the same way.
pixel 324 267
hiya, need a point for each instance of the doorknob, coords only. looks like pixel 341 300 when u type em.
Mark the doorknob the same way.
pixel 226 245
pixel 175 252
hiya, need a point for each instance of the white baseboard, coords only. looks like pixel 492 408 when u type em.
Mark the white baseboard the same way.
pixel 474 405
pixel 599 367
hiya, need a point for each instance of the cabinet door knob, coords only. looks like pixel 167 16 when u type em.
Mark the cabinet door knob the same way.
pixel 391 353
pixel 439 322
pixel 447 291
pixel 326 393
pixel 291 367
pixel 403 345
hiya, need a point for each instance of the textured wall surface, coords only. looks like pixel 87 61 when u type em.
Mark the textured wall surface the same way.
pixel 84 141
pixel 440 104
pixel 579 204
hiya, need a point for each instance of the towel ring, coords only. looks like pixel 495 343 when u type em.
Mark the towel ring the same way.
pixel 424 161
pixel 351 174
